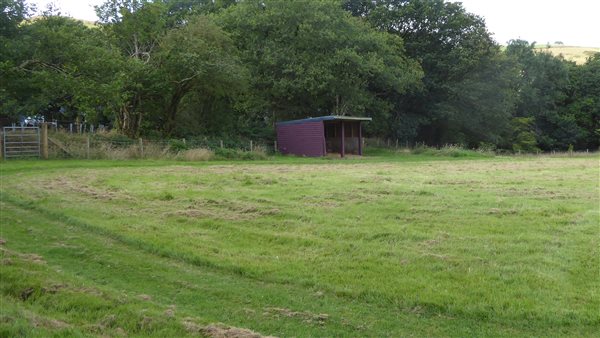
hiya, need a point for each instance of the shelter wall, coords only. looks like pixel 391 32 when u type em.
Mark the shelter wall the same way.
pixel 305 139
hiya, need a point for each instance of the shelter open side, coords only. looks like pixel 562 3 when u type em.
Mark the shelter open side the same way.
pixel 319 136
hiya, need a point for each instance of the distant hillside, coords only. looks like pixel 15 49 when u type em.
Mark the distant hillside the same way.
pixel 572 53
pixel 87 23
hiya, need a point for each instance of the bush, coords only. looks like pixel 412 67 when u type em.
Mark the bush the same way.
pixel 177 145
pixel 485 147
pixel 226 153
pixel 259 153
pixel 419 149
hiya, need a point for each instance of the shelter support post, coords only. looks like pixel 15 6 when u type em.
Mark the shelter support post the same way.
pixel 343 141
pixel 360 150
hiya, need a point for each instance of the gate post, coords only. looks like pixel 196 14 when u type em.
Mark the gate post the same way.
pixel 44 140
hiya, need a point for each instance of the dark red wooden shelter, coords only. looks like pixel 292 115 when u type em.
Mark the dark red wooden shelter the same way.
pixel 319 136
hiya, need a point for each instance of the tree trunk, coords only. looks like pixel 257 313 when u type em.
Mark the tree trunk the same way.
pixel 128 121
pixel 171 112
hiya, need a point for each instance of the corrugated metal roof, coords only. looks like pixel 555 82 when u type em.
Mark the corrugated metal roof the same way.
pixel 326 118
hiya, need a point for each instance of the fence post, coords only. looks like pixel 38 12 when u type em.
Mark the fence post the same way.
pixel 250 145
pixel 396 143
pixel 183 140
pixel 71 128
pixel 44 140
pixel 91 128
pixel 275 146
pixel 221 142
pixel 87 148
pixel 141 148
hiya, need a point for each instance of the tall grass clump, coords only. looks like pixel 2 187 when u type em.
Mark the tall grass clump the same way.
pixel 157 151
pixel 450 150
pixel 111 152
pixel 197 154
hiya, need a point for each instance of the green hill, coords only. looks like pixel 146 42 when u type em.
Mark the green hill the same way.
pixel 572 53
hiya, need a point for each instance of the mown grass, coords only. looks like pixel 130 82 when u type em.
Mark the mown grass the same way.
pixel 389 245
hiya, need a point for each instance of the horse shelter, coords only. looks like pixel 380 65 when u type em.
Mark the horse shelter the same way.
pixel 319 136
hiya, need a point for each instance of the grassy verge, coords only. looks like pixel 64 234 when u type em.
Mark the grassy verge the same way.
pixel 306 247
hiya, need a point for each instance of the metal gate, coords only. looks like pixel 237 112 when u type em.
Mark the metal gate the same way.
pixel 21 142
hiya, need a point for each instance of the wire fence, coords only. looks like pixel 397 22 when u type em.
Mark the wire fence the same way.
pixel 83 141
pixel 101 145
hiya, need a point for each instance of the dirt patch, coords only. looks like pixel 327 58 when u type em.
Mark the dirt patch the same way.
pixel 225 209
pixel 319 202
pixel 25 294
pixel 170 311
pixel 224 331
pixel 52 289
pixel 37 259
pixel 440 257
pixel 307 317
pixel 144 297
pixel 2 241
pixel 145 323
pixel 191 326
pixel 49 323
pixel 108 321
pixel 89 291
pixel 502 212
pixel 219 330
pixel 76 186
pixel 441 237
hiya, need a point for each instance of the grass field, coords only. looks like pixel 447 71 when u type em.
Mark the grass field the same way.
pixel 409 245
pixel 572 53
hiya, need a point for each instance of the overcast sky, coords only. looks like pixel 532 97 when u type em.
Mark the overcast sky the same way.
pixel 574 22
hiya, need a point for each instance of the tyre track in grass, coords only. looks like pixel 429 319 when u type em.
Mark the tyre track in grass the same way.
pixel 168 281
pixel 469 321
pixel 238 306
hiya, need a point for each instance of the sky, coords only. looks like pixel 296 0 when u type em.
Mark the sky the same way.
pixel 573 22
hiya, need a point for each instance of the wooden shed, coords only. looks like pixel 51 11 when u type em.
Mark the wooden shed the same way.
pixel 319 136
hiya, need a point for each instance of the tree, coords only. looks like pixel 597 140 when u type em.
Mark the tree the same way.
pixel 135 26
pixel 171 54
pixel 542 86
pixel 57 66
pixel 523 138
pixel 312 58
pixel 12 13
pixel 584 102
pixel 198 57
pixel 466 83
